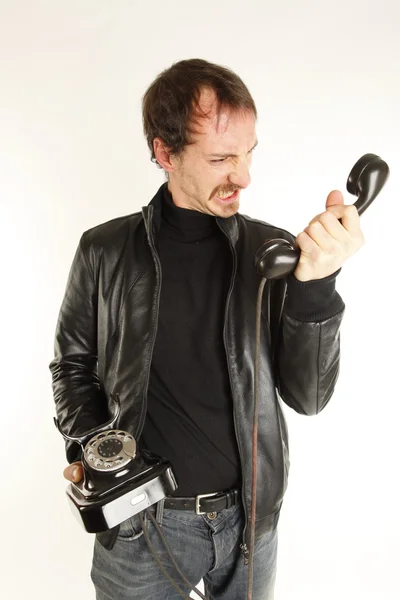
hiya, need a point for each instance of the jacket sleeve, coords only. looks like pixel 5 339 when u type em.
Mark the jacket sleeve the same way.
pixel 80 403
pixel 308 353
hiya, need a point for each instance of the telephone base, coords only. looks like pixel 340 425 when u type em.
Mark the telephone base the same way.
pixel 100 514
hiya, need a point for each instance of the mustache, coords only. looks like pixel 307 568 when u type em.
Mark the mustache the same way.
pixel 227 191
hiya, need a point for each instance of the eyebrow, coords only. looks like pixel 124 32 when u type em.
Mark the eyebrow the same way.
pixel 222 155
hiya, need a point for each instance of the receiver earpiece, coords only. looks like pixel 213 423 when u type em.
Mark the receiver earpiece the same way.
pixel 278 258
pixel 366 179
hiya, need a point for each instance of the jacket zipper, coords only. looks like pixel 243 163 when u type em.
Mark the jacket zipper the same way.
pixel 243 546
pixel 155 318
pixel 157 262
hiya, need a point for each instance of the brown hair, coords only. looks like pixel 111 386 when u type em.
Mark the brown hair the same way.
pixel 170 105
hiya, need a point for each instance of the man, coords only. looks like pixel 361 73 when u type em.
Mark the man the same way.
pixel 160 308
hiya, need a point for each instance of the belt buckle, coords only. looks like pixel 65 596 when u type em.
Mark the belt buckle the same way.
pixel 199 497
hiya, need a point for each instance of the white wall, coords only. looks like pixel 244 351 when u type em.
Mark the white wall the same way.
pixel 325 77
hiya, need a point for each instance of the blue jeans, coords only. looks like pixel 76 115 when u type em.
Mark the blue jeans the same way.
pixel 204 548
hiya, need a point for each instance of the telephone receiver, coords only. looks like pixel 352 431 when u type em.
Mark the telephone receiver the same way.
pixel 278 258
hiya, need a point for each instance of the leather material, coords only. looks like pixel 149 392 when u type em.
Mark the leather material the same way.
pixel 107 327
pixel 206 505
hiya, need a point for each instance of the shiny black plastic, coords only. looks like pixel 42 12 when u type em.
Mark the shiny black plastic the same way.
pixel 366 179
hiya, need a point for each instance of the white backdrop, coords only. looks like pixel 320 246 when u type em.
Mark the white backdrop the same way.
pixel 325 78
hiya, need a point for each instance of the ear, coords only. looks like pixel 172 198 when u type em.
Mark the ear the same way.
pixel 163 155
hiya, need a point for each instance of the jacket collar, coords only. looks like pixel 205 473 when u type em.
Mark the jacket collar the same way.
pixel 152 215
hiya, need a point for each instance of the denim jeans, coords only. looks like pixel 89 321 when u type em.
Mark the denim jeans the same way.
pixel 204 548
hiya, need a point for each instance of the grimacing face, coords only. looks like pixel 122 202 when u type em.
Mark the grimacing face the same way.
pixel 217 165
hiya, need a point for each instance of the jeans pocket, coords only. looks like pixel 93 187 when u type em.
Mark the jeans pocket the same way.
pixel 128 530
pixel 131 529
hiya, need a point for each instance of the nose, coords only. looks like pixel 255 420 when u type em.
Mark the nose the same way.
pixel 240 176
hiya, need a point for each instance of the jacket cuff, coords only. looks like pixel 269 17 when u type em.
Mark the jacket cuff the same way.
pixel 313 301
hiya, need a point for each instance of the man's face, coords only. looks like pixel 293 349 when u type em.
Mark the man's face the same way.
pixel 217 164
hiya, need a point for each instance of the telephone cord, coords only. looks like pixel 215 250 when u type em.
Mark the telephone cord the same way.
pixel 154 553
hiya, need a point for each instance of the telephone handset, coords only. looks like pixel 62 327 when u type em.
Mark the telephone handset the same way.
pixel 118 481
pixel 278 258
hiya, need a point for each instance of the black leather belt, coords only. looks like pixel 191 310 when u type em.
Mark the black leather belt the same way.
pixel 204 503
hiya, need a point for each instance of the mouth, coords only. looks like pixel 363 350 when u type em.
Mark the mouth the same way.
pixel 228 199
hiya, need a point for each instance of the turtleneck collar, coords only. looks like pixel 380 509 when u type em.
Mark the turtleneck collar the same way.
pixel 186 224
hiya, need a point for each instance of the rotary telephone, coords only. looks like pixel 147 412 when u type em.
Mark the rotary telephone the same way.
pixel 118 480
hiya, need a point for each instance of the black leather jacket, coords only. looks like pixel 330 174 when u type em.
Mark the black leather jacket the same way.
pixel 108 323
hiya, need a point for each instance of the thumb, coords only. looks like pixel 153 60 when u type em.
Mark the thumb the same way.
pixel 74 472
pixel 334 197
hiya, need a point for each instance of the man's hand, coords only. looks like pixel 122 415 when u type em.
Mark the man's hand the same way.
pixel 326 243
pixel 74 472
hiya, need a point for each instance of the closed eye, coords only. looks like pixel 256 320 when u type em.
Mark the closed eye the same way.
pixel 218 160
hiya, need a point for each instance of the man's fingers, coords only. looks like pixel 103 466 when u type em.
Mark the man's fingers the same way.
pixel 347 213
pixel 74 472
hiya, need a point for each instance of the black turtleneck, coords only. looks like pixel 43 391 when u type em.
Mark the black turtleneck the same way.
pixel 190 414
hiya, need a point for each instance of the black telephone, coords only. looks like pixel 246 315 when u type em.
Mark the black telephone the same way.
pixel 119 481
pixel 278 258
